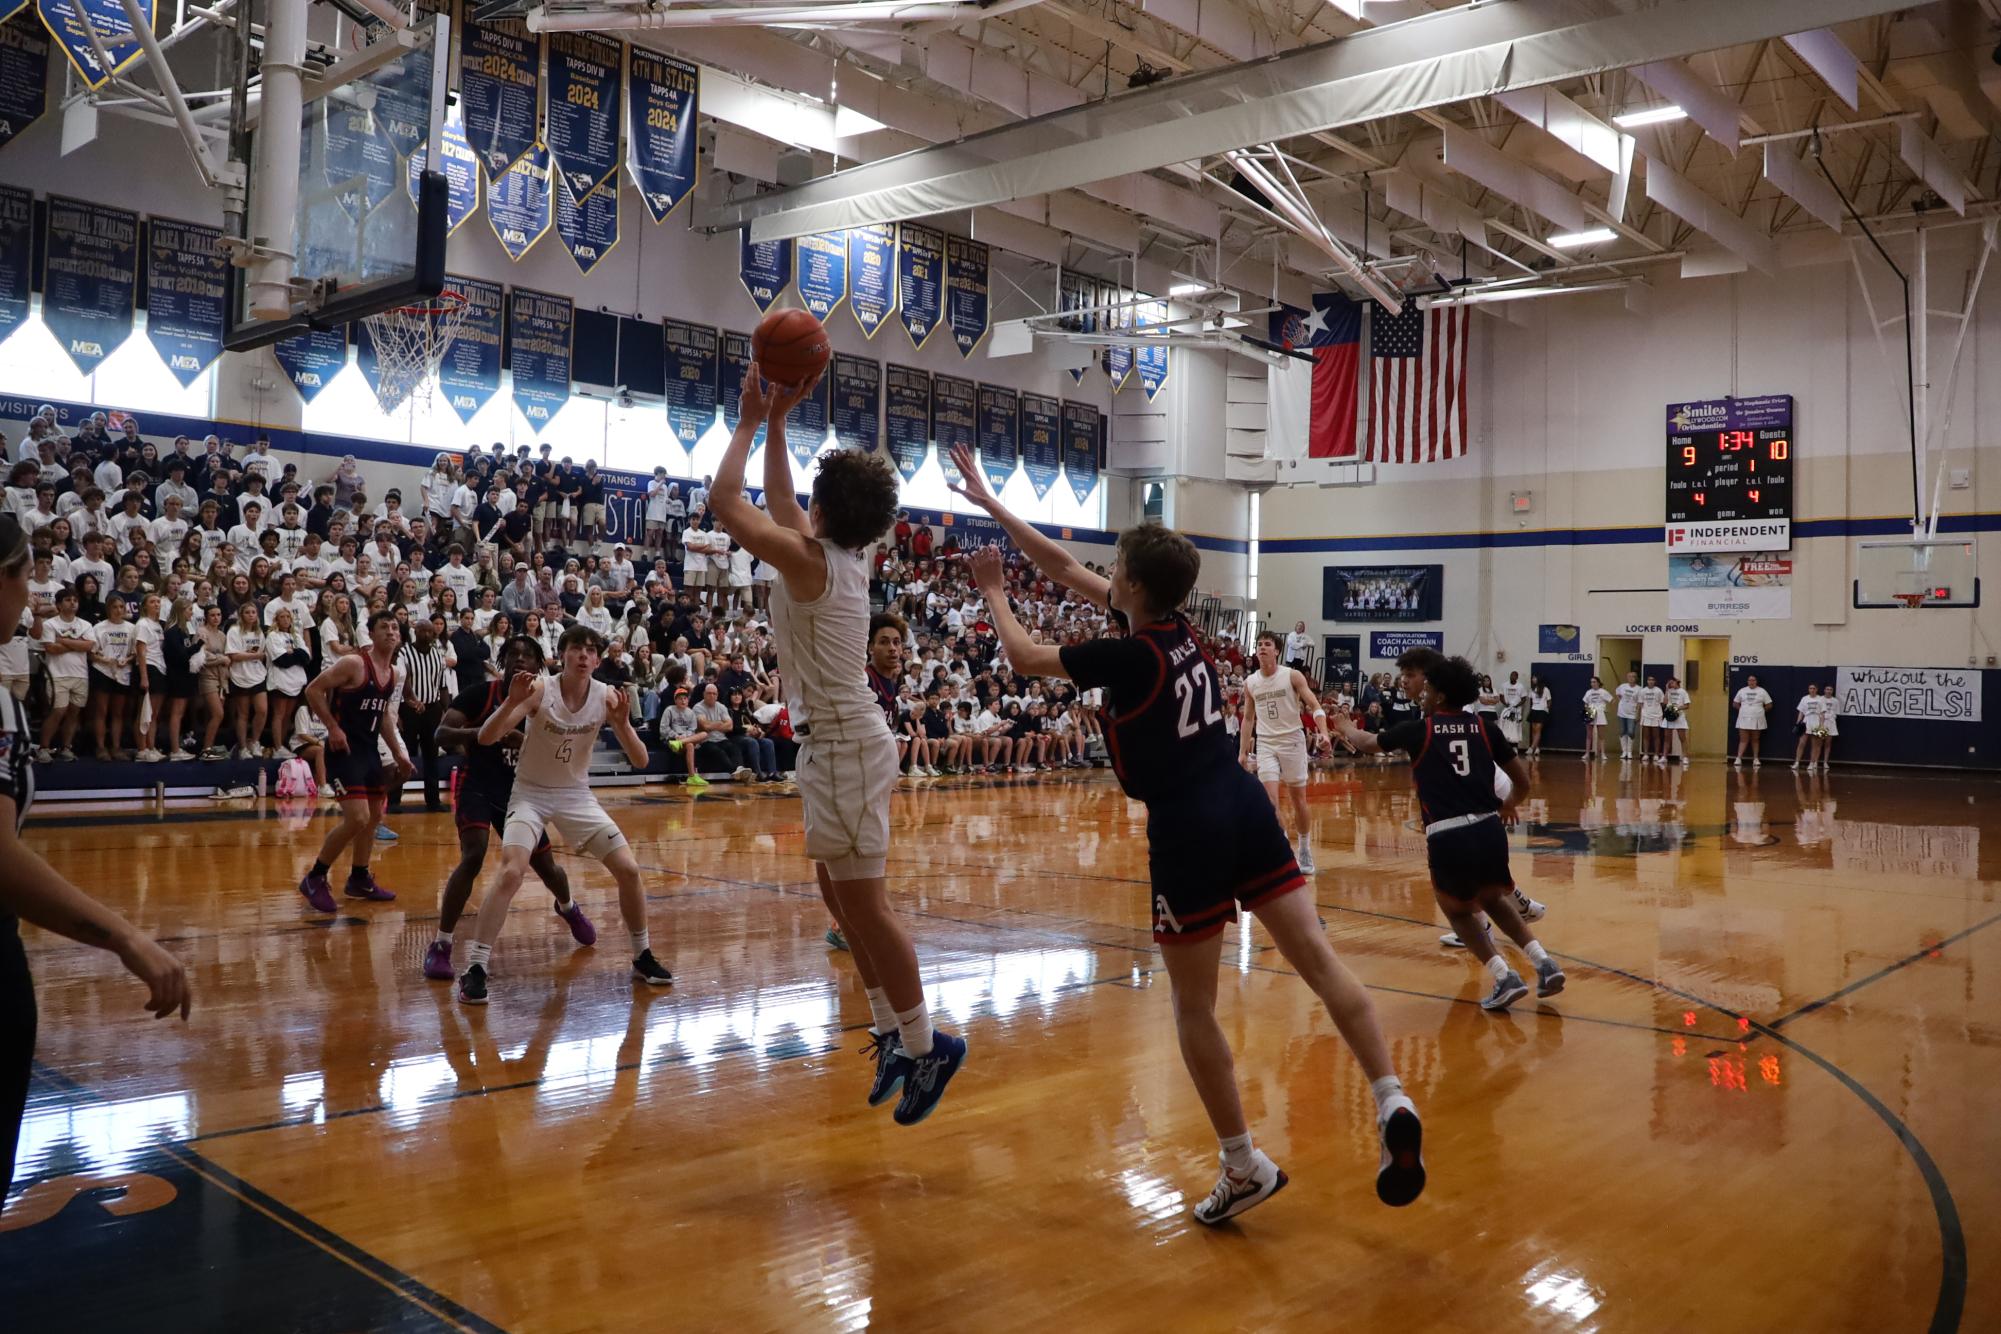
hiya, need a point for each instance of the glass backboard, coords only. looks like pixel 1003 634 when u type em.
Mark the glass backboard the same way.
pixel 1937 572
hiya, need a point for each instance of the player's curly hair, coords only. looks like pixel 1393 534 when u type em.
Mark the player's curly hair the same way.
pixel 857 493
pixel 888 620
pixel 1162 562
pixel 1455 681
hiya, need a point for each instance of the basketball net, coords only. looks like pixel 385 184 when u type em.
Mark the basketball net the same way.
pixel 410 342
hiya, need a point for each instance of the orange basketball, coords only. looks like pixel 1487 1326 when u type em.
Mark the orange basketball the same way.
pixel 790 346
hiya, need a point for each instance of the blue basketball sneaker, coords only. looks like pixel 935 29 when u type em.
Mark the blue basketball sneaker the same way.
pixel 891 1066
pixel 924 1082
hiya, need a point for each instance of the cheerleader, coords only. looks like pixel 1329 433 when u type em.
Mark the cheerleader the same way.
pixel 1674 721
pixel 1828 730
pixel 1653 746
pixel 1596 700
pixel 1752 700
pixel 1539 702
pixel 1514 695
pixel 1806 720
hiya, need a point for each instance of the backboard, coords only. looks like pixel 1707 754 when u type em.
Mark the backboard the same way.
pixel 1904 572
pixel 369 230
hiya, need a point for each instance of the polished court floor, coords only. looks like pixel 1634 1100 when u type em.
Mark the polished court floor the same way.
pixel 1766 1102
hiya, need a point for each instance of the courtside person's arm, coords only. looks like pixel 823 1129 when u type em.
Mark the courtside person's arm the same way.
pixel 1027 657
pixel 1046 555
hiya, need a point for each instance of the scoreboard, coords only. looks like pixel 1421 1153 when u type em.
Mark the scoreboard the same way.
pixel 1730 474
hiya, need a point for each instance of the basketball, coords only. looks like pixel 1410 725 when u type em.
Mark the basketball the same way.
pixel 790 346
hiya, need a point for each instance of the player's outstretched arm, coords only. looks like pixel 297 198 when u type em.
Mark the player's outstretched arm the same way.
pixel 345 674
pixel 524 692
pixel 784 546
pixel 391 729
pixel 1310 704
pixel 1355 739
pixel 455 731
pixel 1027 657
pixel 618 712
pixel 1046 555
pixel 780 500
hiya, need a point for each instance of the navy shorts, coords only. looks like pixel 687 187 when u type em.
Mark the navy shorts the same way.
pixel 352 773
pixel 1469 859
pixel 1213 848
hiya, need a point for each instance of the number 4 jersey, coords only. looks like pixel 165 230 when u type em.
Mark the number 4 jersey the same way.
pixel 1452 760
pixel 557 752
pixel 1163 707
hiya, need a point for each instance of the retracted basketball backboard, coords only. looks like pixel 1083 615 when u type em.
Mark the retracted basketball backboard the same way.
pixel 1914 573
pixel 368 230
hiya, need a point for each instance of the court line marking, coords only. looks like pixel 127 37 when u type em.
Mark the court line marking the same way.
pixel 1930 951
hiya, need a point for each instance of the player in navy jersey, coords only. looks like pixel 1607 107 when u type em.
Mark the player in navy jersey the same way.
pixel 1453 757
pixel 485 784
pixel 357 699
pixel 1214 842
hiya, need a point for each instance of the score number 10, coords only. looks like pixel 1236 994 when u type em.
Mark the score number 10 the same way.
pixel 1731 442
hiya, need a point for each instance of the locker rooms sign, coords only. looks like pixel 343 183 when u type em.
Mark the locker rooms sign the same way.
pixel 1937 694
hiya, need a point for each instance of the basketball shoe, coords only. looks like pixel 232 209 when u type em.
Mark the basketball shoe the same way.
pixel 1235 1194
pixel 1400 1176
pixel 924 1082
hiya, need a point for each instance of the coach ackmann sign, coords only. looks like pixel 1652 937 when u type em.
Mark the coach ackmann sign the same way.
pixel 1939 694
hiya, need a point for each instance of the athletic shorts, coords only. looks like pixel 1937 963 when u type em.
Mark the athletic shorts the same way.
pixel 1283 761
pixel 1470 858
pixel 844 786
pixel 1215 846
pixel 100 684
pixel 593 515
pixel 573 811
pixel 356 773
pixel 476 808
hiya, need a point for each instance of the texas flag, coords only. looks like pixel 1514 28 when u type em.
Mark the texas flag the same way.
pixel 1314 408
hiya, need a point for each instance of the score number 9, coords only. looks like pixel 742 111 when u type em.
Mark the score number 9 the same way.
pixel 1781 450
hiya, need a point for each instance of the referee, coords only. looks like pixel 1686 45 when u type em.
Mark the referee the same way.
pixel 424 698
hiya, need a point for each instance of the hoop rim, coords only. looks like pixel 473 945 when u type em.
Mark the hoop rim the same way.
pixel 1911 601
pixel 450 301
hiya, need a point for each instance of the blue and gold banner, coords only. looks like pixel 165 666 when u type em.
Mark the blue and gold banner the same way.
pixel 765 268
pixel 906 413
pixel 360 163
pixel 17 257
pixel 1150 360
pixel 806 424
pixel 823 272
pixel 664 95
pixel 588 230
pixel 955 419
pixel 920 279
pixel 461 168
pixel 90 278
pixel 857 405
pixel 541 328
pixel 500 92
pixel 692 351
pixel 520 206
pixel 586 82
pixel 24 76
pixel 966 304
pixel 187 280
pixel 70 22
pixel 1118 358
pixel 872 275
pixel 311 360
pixel 1041 441
pixel 1080 448
pixel 469 375
pixel 1000 434
pixel 731 367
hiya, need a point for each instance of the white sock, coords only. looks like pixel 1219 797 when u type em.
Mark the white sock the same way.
pixel 445 938
pixel 1386 1088
pixel 915 1027
pixel 1537 954
pixel 1498 967
pixel 478 953
pixel 882 1013
pixel 642 941
pixel 1237 1153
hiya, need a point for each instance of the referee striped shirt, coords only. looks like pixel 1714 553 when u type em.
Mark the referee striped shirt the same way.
pixel 423 674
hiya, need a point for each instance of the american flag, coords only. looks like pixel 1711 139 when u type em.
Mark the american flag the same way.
pixel 1417 384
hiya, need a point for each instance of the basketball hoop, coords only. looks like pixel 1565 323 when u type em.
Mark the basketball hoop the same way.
pixel 1910 601
pixel 410 342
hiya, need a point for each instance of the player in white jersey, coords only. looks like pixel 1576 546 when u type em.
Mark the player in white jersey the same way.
pixel 847 757
pixel 1280 702
pixel 564 714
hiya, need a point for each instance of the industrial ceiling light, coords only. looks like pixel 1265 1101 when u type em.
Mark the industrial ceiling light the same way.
pixel 1650 116
pixel 1577 240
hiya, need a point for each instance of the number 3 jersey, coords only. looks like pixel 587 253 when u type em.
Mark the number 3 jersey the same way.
pixel 1452 760
pixel 1163 708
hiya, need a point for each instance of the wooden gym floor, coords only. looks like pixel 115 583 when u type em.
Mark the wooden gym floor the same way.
pixel 1765 1103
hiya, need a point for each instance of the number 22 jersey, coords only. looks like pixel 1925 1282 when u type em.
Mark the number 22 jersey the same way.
pixel 1163 708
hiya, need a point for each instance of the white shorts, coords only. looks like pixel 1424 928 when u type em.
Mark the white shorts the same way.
pixel 69 691
pixel 844 787
pixel 573 812
pixel 1283 761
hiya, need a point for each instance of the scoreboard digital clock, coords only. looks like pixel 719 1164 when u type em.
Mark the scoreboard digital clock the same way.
pixel 1730 474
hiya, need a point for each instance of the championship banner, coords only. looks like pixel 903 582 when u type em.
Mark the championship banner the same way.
pixel 1150 360
pixel 955 419
pixel 690 380
pixel 469 375
pixel 966 305
pixel 518 205
pixel 588 230
pixel 370 365
pixel 586 82
pixel 500 92
pixel 359 162
pixel 907 417
pixel 24 76
pixel 731 367
pixel 1000 434
pixel 660 149
pixel 71 23
pixel 311 360
pixel 1119 357
pixel 920 273
pixel 823 272
pixel 1041 447
pixel 765 268
pixel 90 278
pixel 1080 448
pixel 17 257
pixel 187 277
pixel 806 424
pixel 461 168
pixel 857 405
pixel 540 330
pixel 872 275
